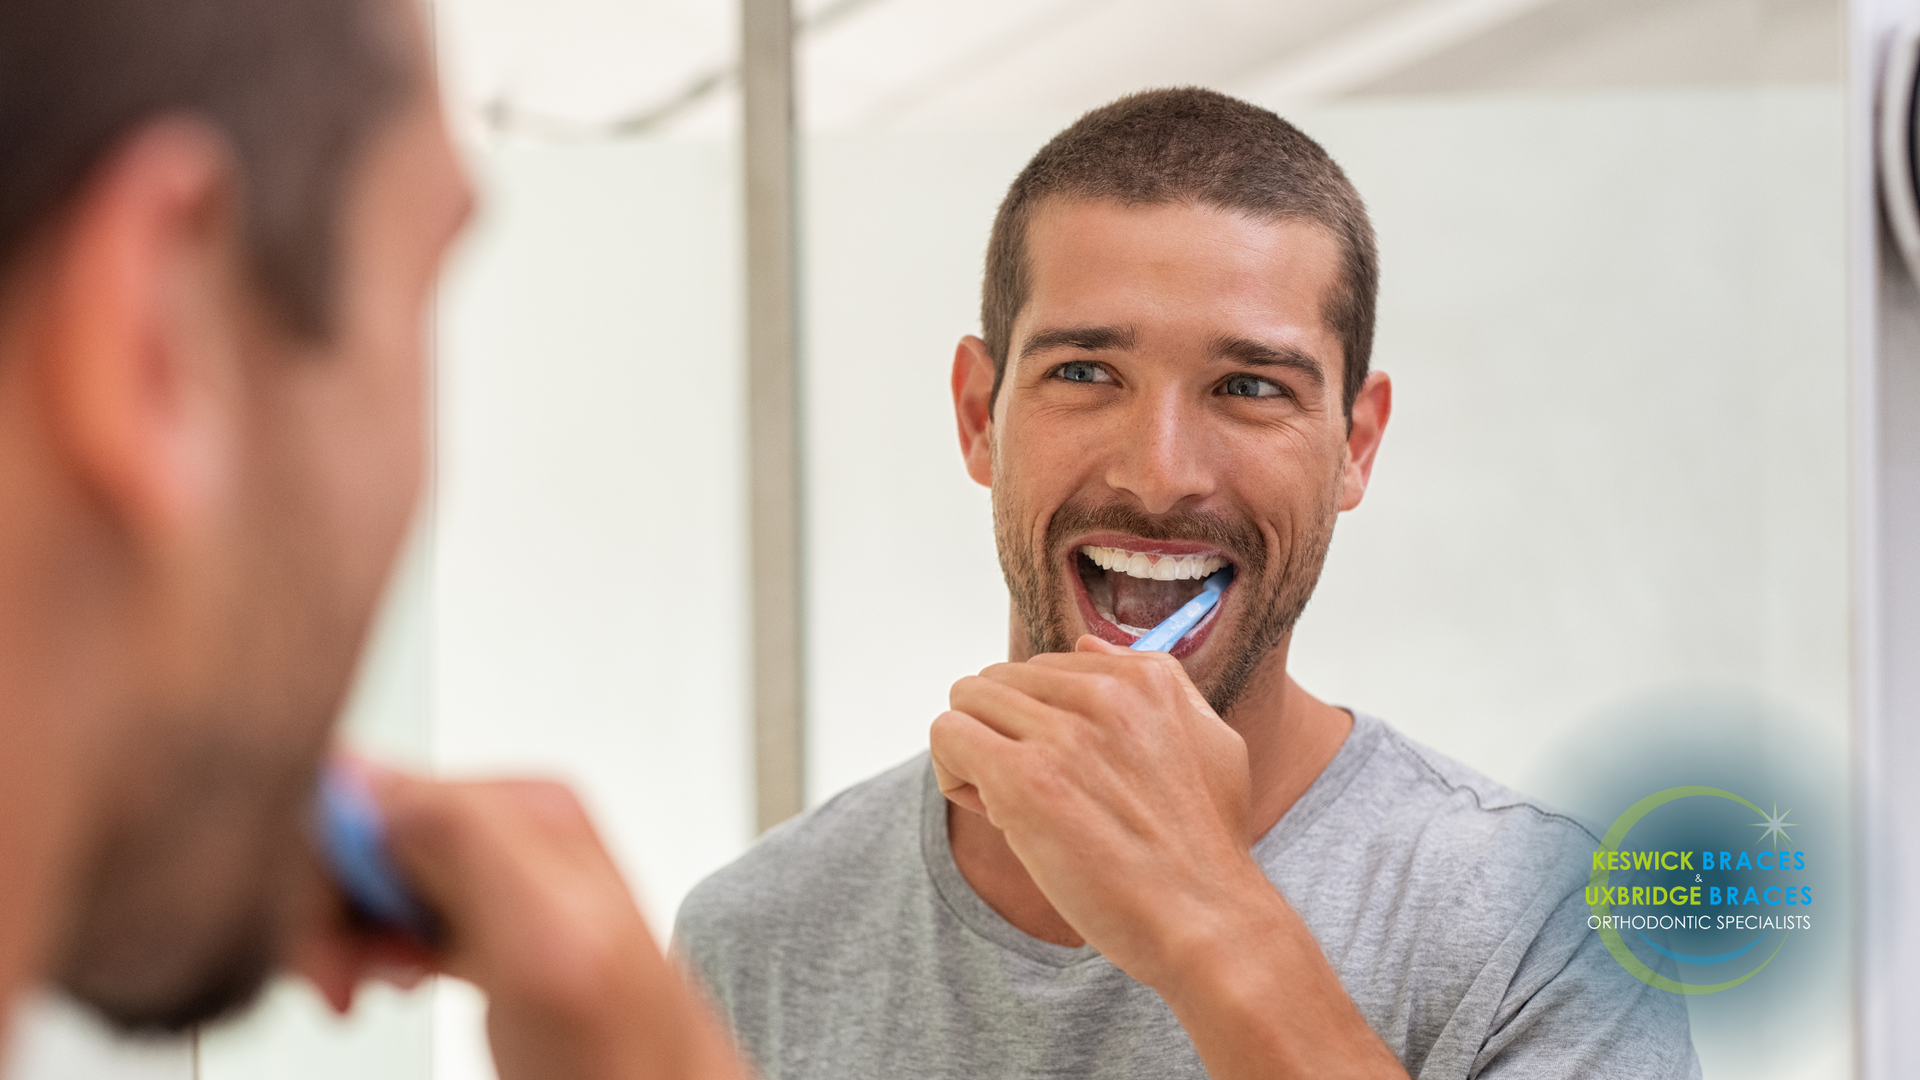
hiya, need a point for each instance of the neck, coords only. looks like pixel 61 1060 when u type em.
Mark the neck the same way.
pixel 52 692
pixel 1291 737
pixel 39 824
pixel 42 789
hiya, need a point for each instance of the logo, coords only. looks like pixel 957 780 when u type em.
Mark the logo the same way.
pixel 1691 895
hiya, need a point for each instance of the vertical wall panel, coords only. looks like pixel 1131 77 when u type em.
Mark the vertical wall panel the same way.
pixel 1885 326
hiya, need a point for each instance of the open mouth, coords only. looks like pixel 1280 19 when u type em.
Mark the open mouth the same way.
pixel 1127 590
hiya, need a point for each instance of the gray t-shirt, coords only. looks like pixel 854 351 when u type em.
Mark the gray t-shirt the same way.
pixel 846 943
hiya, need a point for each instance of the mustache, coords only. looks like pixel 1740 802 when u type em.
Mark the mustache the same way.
pixel 1237 537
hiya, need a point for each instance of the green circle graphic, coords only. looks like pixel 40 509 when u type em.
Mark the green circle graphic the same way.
pixel 1624 824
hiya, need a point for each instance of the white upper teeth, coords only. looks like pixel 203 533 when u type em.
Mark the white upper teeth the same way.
pixel 1141 564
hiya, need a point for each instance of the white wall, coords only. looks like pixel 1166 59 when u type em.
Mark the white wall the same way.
pixel 52 1038
pixel 588 571
pixel 588 568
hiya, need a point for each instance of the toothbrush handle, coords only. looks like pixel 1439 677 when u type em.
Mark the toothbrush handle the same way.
pixel 351 832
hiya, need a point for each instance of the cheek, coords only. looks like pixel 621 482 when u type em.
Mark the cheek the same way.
pixel 1046 455
pixel 370 451
pixel 1290 486
pixel 395 470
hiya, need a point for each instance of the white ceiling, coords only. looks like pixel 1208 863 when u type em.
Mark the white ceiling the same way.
pixel 579 68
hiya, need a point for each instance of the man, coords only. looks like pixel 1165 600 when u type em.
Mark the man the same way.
pixel 220 224
pixel 1127 864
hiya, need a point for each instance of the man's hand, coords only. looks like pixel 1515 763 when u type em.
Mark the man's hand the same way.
pixel 1122 793
pixel 536 915
pixel 1127 801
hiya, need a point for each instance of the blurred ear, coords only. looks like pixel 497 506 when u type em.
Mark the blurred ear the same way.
pixel 1370 413
pixel 141 346
pixel 973 407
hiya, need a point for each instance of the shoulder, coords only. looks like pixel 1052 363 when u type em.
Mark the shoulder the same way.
pixel 1396 828
pixel 824 858
pixel 1412 791
pixel 1451 906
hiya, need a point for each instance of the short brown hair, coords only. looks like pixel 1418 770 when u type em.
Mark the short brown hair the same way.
pixel 1189 145
pixel 294 86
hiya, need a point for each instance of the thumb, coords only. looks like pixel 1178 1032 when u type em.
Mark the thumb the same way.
pixel 1092 644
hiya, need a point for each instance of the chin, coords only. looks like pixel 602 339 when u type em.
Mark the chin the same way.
pixel 186 908
pixel 218 986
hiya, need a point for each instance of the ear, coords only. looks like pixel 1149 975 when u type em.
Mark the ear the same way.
pixel 973 407
pixel 1370 412
pixel 140 364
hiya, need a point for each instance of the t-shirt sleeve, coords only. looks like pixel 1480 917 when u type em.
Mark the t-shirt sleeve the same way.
pixel 1573 1011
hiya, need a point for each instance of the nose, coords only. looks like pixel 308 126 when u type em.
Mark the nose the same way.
pixel 1161 459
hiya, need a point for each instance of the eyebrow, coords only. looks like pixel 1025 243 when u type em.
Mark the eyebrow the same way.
pixel 1259 354
pixel 1084 338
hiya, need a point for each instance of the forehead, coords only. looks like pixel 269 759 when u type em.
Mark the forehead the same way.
pixel 1179 267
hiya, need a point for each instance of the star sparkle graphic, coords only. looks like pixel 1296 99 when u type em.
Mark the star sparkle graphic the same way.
pixel 1776 826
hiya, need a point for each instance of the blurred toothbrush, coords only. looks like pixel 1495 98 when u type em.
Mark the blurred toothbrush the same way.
pixel 352 834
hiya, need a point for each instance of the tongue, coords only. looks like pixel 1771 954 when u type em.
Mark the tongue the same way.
pixel 1142 603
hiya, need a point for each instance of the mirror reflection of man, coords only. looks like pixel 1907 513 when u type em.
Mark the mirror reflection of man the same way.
pixel 220 225
pixel 1127 864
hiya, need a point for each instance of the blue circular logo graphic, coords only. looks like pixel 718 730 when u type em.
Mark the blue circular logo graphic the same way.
pixel 1677 895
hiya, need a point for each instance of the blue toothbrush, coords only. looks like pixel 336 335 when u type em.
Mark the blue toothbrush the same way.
pixel 1177 625
pixel 352 834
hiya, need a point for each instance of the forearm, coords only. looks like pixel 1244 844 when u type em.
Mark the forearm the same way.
pixel 1259 1000
pixel 657 1028
pixel 538 917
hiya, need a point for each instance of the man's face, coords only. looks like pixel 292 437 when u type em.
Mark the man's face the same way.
pixel 258 618
pixel 1171 407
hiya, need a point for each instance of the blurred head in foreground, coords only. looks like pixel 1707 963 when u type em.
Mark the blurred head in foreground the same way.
pixel 220 222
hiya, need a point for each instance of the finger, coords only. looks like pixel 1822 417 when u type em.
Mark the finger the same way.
pixel 1006 709
pixel 1096 683
pixel 549 803
pixel 967 757
pixel 1090 643
pixel 1118 660
pixel 964 796
pixel 1095 654
pixel 957 791
pixel 455 846
pixel 336 956
pixel 397 960
pixel 324 946
pixel 328 958
pixel 1049 696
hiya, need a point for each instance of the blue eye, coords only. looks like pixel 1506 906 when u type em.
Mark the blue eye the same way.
pixel 1250 386
pixel 1082 371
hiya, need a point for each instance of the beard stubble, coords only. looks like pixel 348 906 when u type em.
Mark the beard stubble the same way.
pixel 1276 595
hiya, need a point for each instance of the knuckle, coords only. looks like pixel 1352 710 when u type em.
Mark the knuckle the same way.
pixel 439 814
pixel 1106 687
pixel 965 687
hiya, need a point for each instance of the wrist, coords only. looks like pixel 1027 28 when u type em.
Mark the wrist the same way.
pixel 1259 999
pixel 1230 949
